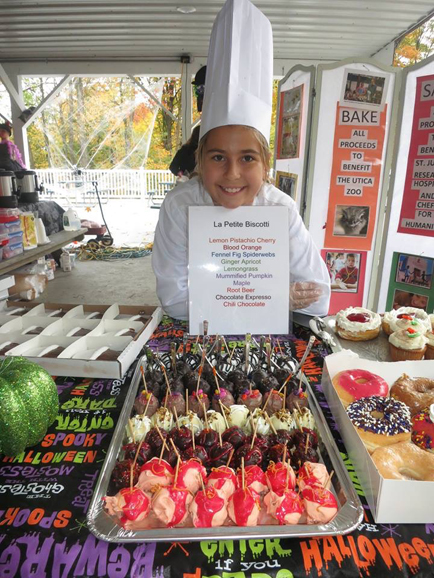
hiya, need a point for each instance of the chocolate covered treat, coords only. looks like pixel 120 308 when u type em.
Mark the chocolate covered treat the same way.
pixel 235 436
pixel 197 401
pixel 282 436
pixel 121 474
pixel 268 383
pixel 260 441
pixel 176 401
pixel 177 385
pixel 193 383
pixel 207 438
pixel 251 399
pixel 257 376
pixel 224 397
pixel 300 456
pixel 252 456
pixel 303 437
pixel 197 452
pixel 130 451
pixel 142 403
pixel 153 438
pixel 277 452
pixel 219 455
pixel 273 401
pixel 181 438
pixel 296 400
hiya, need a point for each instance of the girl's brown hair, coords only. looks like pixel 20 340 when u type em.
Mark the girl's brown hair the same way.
pixel 264 152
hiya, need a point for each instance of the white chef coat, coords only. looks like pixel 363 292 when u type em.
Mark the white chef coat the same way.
pixel 170 251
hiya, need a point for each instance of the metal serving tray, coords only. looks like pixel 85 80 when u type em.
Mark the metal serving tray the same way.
pixel 376 349
pixel 349 515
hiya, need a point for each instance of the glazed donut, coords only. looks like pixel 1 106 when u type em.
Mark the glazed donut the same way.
pixel 404 461
pixel 380 421
pixel 416 392
pixel 422 432
pixel 353 384
pixel 357 324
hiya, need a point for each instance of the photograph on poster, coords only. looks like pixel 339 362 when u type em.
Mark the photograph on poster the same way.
pixel 364 89
pixel 288 145
pixel 287 183
pixel 344 269
pixel 414 270
pixel 351 220
pixel 407 299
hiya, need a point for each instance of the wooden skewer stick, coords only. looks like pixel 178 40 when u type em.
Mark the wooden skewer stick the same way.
pixel 192 436
pixel 147 403
pixel 273 429
pixel 204 415
pixel 224 414
pixel 142 371
pixel 163 369
pixel 176 417
pixel 230 457
pixel 132 430
pixel 186 402
pixel 220 439
pixel 329 480
pixel 243 480
pixel 285 382
pixel 231 355
pixel 254 432
pixel 285 449
pixel 214 372
pixel 307 443
pixel 178 461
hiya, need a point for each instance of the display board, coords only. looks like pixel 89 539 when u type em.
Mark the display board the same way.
pixel 409 225
pixel 350 155
pixel 293 120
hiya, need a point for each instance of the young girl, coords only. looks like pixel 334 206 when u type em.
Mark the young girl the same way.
pixel 232 166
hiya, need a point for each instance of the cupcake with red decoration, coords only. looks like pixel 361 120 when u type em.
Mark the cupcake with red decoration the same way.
pixel 391 317
pixel 407 344
pixel 429 353
pixel 358 324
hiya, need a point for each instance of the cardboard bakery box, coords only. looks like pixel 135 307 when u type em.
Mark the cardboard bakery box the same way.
pixel 123 349
pixel 391 501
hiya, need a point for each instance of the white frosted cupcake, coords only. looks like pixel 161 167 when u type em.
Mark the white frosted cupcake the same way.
pixel 400 313
pixel 429 353
pixel 406 321
pixel 407 344
pixel 358 324
pixel 431 318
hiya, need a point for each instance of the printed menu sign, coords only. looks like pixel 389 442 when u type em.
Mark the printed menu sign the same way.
pixel 355 177
pixel 417 211
pixel 239 269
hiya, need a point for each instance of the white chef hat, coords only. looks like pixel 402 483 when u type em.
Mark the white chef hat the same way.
pixel 239 75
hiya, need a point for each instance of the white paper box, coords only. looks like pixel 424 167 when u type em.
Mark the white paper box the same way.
pixel 83 316
pixel 391 501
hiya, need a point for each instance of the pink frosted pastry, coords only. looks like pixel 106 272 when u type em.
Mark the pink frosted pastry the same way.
pixel 311 474
pixel 189 475
pixel 171 505
pixel 320 505
pixel 224 397
pixel 208 509
pixel 254 478
pixel 244 507
pixel 156 472
pixel 353 384
pixel 128 505
pixel 224 480
pixel 280 476
pixel 285 506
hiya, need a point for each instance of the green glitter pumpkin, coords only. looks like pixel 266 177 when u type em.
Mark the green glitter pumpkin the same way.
pixel 28 404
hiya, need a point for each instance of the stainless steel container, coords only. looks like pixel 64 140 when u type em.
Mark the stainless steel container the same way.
pixel 349 515
pixel 8 186
pixel 27 182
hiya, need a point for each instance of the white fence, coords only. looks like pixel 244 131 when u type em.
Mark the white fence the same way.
pixel 112 184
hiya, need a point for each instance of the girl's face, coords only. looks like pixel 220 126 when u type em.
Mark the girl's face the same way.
pixel 233 171
pixel 4 135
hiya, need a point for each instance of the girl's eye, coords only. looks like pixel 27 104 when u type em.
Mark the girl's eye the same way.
pixel 217 158
pixel 248 158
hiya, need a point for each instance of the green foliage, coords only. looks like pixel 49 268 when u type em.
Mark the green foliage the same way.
pixel 416 46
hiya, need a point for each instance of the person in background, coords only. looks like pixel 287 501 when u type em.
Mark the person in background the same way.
pixel 10 156
pixel 348 275
pixel 233 163
pixel 184 162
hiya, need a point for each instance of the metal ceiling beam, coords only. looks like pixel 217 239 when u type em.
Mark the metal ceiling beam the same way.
pixel 47 100
pixel 11 88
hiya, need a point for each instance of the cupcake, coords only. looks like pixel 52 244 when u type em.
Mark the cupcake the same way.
pixel 357 324
pixel 395 314
pixel 407 344
pixel 404 321
pixel 429 353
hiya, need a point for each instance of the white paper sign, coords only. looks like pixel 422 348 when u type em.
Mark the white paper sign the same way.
pixel 239 270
